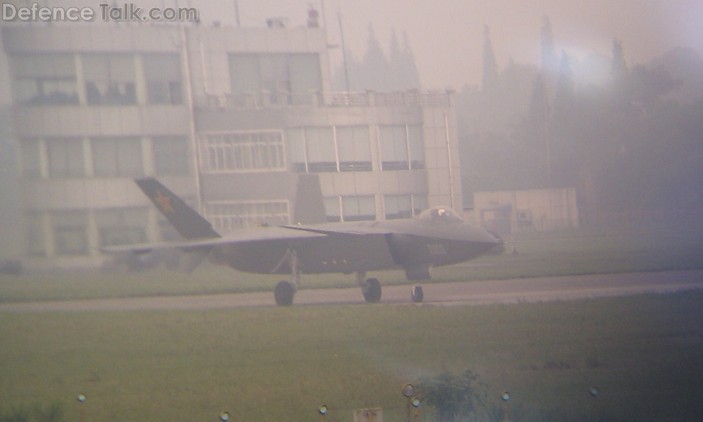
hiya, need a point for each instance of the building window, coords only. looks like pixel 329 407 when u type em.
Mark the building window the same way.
pixel 320 149
pixel 330 149
pixel 30 153
pixel 65 157
pixel 46 79
pixel 404 206
pixel 227 216
pixel 305 77
pixel 420 204
pixel 170 155
pixel 167 232
pixel 350 208
pixel 34 232
pixel 109 79
pixel 276 79
pixel 332 209
pixel 358 208
pixel 296 150
pixel 416 147
pixel 354 148
pixel 117 157
pixel 312 149
pixel 397 206
pixel 394 148
pixel 402 147
pixel 242 151
pixel 164 83
pixel 70 232
pixel 121 226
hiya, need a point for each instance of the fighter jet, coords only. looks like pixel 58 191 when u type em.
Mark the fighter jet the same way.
pixel 436 237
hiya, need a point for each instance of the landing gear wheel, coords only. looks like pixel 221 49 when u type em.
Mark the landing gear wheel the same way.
pixel 416 294
pixel 284 293
pixel 372 290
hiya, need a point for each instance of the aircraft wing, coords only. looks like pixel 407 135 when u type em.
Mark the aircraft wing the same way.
pixel 331 247
pixel 272 234
pixel 360 230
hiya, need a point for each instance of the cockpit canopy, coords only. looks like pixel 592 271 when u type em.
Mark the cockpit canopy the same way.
pixel 440 215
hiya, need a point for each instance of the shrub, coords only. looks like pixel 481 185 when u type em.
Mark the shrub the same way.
pixel 456 397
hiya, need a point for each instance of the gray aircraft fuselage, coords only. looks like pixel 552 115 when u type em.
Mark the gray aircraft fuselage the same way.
pixel 435 237
pixel 414 245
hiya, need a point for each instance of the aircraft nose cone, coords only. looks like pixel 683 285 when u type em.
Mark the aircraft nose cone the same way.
pixel 491 237
pixel 496 239
pixel 492 240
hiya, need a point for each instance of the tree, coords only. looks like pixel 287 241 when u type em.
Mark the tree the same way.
pixel 345 77
pixel 403 73
pixel 409 76
pixel 549 58
pixel 538 111
pixel 374 73
pixel 618 64
pixel 490 67
pixel 564 96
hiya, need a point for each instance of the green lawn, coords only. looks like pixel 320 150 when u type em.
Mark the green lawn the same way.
pixel 644 353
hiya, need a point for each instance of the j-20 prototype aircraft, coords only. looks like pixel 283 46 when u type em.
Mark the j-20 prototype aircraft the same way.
pixel 437 236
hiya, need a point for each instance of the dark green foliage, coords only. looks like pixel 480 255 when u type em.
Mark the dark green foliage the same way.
pixel 376 72
pixel 53 412
pixel 627 140
pixel 19 414
pixel 456 397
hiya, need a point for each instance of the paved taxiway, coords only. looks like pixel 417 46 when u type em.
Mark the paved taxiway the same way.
pixel 541 289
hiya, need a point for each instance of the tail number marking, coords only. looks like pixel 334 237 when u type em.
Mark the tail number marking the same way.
pixel 436 249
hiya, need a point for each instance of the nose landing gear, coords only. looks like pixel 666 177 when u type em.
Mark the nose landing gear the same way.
pixel 417 295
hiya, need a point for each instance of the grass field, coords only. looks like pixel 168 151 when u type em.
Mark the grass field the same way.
pixel 644 353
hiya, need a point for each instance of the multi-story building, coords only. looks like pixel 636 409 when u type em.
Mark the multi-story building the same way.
pixel 227 117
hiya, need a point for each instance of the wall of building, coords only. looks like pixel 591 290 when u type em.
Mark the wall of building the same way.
pixel 537 209
pixel 10 209
pixel 95 106
pixel 80 144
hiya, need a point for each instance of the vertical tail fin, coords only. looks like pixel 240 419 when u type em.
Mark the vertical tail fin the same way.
pixel 309 207
pixel 187 222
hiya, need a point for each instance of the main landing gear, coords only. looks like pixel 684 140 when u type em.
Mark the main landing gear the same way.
pixel 370 288
pixel 285 290
pixel 417 295
pixel 284 293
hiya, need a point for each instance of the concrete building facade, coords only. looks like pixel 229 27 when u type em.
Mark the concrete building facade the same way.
pixel 226 117
pixel 506 212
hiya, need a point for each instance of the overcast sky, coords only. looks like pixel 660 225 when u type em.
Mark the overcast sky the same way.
pixel 446 36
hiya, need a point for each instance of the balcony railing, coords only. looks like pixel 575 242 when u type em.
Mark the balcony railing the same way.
pixel 268 99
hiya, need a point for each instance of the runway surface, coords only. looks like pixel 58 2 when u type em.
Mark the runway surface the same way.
pixel 542 289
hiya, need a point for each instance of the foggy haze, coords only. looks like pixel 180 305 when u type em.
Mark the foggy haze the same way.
pixel 561 141
pixel 446 36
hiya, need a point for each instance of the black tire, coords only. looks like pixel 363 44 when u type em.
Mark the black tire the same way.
pixel 417 295
pixel 284 293
pixel 372 290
